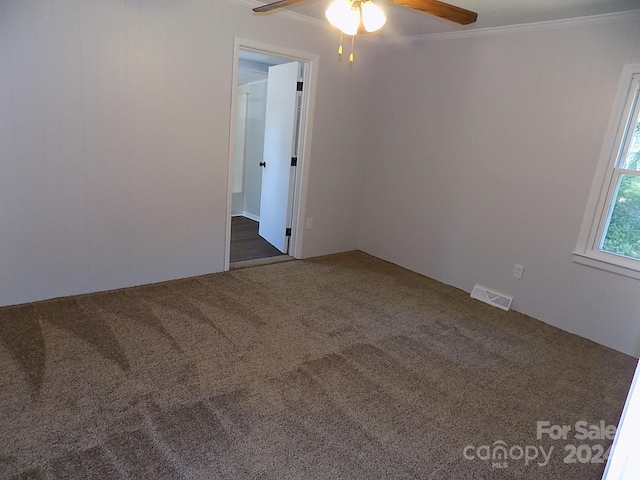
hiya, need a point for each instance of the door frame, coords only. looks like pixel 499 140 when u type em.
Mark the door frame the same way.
pixel 310 61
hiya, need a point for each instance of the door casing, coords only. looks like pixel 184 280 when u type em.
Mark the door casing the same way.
pixel 310 61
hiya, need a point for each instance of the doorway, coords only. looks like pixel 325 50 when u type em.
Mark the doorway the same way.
pixel 271 104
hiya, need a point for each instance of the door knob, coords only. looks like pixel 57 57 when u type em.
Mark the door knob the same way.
pixel 263 164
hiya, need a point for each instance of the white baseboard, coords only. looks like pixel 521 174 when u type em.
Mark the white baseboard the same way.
pixel 251 216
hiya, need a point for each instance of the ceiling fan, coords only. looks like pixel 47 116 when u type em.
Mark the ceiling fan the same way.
pixel 359 16
pixel 433 7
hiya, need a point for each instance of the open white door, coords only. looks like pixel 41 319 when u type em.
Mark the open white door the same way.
pixel 279 138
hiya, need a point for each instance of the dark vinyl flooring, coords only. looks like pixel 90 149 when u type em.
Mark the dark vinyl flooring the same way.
pixel 246 244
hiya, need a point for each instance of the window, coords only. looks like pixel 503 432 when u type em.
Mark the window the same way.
pixel 610 236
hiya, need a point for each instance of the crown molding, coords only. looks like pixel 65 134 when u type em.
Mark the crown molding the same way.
pixel 632 15
pixel 285 13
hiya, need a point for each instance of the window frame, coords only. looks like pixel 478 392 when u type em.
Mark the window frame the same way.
pixel 605 184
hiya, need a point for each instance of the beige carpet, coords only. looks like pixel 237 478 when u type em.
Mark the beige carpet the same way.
pixel 337 367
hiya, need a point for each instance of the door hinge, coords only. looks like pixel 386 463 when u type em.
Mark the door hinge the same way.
pixel 294 161
pixel 287 232
pixel 299 87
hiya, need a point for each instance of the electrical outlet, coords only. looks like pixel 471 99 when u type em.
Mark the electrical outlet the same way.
pixel 518 272
pixel 308 224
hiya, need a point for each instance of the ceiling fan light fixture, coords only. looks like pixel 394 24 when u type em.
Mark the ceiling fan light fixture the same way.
pixel 373 17
pixel 347 15
pixel 341 15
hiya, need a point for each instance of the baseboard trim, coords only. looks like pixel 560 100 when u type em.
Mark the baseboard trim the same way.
pixel 251 216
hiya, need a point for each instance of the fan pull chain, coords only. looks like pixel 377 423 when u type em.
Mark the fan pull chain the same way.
pixel 340 47
pixel 353 41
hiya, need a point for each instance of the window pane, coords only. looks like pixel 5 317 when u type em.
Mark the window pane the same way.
pixel 632 159
pixel 623 233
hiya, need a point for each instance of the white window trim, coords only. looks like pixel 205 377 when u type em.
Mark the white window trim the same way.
pixel 587 251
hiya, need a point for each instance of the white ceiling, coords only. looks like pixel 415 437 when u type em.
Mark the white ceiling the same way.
pixel 491 13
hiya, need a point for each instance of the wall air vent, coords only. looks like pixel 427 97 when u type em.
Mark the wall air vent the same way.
pixel 492 298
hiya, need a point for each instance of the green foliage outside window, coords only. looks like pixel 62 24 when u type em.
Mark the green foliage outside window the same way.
pixel 623 234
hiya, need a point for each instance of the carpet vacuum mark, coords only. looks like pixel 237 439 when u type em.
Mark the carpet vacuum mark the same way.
pixel 343 366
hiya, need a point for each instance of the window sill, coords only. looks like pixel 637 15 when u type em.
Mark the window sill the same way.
pixel 608 265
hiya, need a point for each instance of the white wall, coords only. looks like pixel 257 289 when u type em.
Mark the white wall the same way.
pixel 114 136
pixel 482 153
pixel 239 142
pixel 254 148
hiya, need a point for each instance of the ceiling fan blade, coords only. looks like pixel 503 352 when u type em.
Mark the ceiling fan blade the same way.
pixel 274 5
pixel 441 9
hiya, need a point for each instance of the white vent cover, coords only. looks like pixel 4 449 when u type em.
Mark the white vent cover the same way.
pixel 492 298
